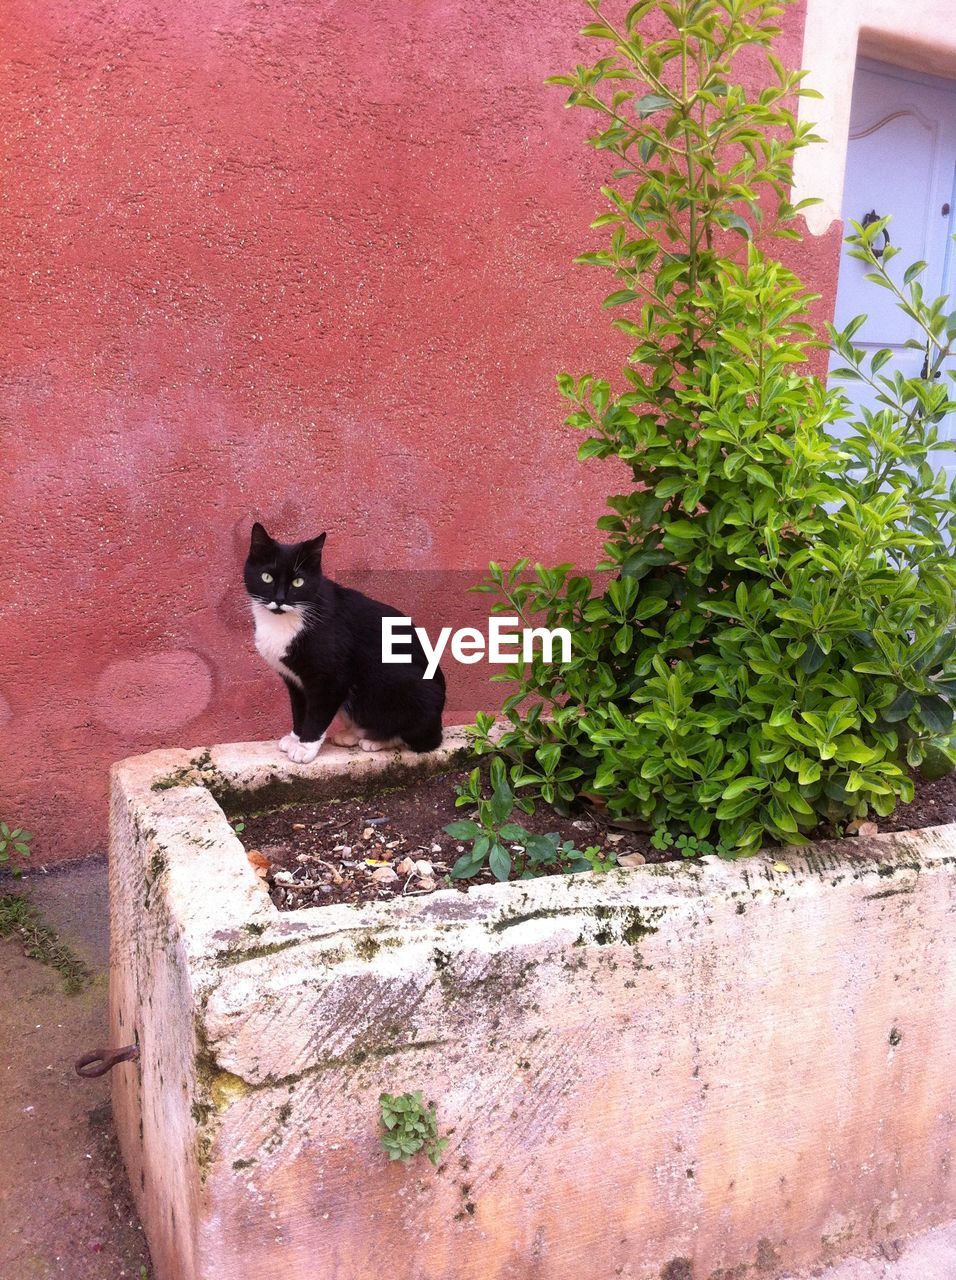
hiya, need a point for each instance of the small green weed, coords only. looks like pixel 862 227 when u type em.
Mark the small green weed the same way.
pixel 14 846
pixel 410 1126
pixel 690 846
pixel 506 845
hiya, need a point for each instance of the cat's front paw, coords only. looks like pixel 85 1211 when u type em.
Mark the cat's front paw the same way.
pixel 305 752
pixel 288 742
pixel 346 738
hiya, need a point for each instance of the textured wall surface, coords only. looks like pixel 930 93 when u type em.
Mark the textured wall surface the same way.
pixel 704 1071
pixel 303 260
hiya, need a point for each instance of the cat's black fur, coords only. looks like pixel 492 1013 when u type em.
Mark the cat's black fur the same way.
pixel 337 654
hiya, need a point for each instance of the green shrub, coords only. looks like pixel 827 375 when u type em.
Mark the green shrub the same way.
pixel 774 640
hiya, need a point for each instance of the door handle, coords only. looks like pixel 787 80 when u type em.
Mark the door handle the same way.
pixel 868 219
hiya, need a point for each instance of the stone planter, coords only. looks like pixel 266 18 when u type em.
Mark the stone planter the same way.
pixel 704 1071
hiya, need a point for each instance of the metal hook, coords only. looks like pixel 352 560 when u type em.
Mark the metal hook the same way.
pixel 98 1063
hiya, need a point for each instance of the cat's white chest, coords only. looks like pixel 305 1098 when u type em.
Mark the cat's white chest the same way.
pixel 274 634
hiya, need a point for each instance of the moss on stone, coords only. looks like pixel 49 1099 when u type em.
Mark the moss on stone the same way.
pixel 201 1112
pixel 226 1088
pixel 177 778
pixel 238 954
pixel 542 913
pixel 614 923
pixel 158 864
pixel 367 946
pixel 363 942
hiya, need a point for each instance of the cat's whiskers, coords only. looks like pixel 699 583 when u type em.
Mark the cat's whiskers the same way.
pixel 310 612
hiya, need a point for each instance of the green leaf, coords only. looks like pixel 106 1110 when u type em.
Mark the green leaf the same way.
pixel 619 298
pixel 500 862
pixel 648 607
pixel 650 103
pixel 465 829
pixel 760 474
pixel 593 448
pixel 812 658
pixel 900 707
pixel 736 807
pixel 734 222
pixel 497 774
pixel 809 771
pixel 936 714
pixel 548 756
pixel 542 848
pixel 467 865
pixel 683 529
pixel 502 802
pixel 740 785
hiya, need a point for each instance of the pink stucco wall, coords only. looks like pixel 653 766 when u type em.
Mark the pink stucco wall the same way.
pixel 303 260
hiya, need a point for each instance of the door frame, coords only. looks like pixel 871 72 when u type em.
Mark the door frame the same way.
pixel 918 38
pixel 944 185
pixel 947 85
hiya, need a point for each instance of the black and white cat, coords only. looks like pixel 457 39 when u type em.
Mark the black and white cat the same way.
pixel 326 642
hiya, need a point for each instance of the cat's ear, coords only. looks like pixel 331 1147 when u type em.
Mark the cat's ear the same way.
pixel 261 543
pixel 313 550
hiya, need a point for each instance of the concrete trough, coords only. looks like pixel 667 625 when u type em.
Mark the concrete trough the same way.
pixel 695 1071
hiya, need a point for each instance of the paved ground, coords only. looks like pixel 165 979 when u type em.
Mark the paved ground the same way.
pixel 65 1207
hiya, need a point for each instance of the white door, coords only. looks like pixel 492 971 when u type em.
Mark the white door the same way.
pixel 901 161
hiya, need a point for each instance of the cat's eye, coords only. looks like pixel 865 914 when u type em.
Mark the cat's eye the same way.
pixel 267 577
pixel 298 582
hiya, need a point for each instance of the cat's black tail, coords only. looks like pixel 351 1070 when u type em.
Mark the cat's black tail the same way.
pixel 426 740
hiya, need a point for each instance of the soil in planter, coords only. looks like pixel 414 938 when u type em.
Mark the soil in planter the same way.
pixel 934 804
pixel 391 844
